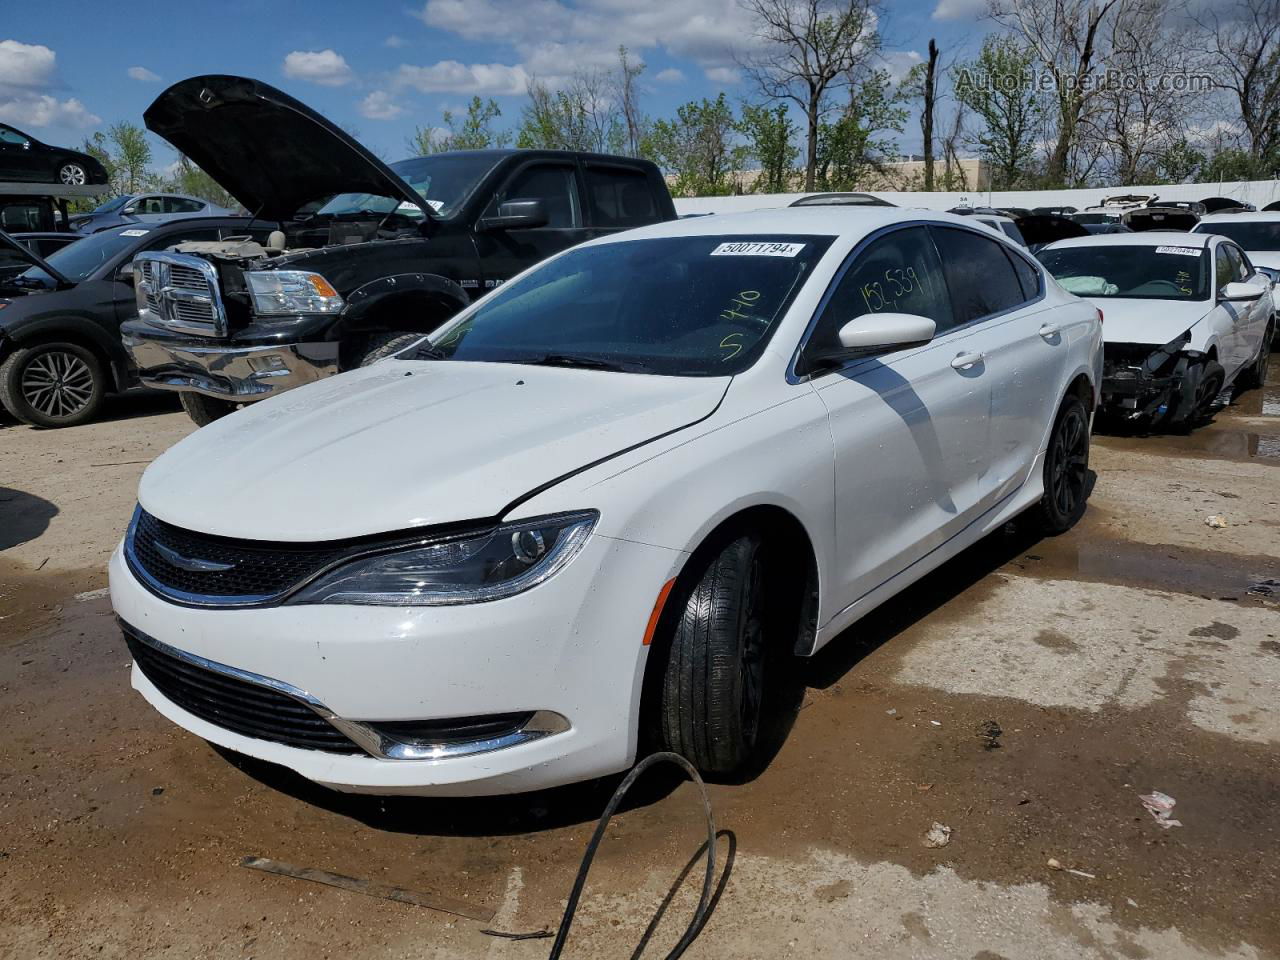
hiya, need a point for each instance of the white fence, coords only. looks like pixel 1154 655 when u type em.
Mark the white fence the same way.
pixel 1258 192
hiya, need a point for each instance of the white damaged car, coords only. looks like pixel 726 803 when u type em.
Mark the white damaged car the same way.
pixel 1186 315
pixel 600 510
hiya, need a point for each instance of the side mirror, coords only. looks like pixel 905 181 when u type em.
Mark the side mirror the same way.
pixel 1241 290
pixel 886 331
pixel 517 215
pixel 131 209
pixel 124 273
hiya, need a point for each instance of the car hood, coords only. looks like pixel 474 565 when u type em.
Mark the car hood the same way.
pixel 1147 321
pixel 403 444
pixel 269 151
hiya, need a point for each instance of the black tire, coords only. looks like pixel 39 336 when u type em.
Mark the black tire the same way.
pixel 383 345
pixel 1256 373
pixel 713 686
pixel 72 174
pixel 204 410
pixel 1066 471
pixel 56 384
pixel 1207 384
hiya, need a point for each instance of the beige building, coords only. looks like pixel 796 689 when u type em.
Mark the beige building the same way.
pixel 965 174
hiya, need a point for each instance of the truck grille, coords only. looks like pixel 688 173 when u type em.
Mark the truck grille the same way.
pixel 201 568
pixel 243 707
pixel 180 292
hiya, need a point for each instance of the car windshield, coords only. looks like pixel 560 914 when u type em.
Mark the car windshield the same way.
pixel 1251 236
pixel 111 205
pixel 1083 218
pixel 677 306
pixel 443 181
pixel 77 260
pixel 1166 272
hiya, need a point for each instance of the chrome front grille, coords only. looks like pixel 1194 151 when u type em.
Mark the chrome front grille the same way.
pixel 179 292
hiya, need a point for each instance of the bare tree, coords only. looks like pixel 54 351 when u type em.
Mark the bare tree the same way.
pixel 1067 36
pixel 809 49
pixel 627 95
pixel 930 100
pixel 1244 46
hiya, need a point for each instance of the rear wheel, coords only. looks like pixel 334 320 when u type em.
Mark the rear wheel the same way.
pixel 204 410
pixel 52 384
pixel 1066 470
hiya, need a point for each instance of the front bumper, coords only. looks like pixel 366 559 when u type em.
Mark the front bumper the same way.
pixel 228 372
pixel 571 647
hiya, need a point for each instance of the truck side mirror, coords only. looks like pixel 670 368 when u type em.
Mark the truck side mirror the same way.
pixel 517 215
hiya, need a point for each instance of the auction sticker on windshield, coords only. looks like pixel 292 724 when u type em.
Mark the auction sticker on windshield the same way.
pixel 134 233
pixel 757 248
pixel 1182 251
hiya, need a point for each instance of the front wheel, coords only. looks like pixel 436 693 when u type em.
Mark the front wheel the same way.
pixel 52 384
pixel 204 410
pixel 72 174
pixel 1066 470
pixel 385 345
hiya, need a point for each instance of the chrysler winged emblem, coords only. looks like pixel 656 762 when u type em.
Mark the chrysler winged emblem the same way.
pixel 191 564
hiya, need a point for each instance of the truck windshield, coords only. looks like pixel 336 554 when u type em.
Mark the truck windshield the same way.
pixel 443 181
pixel 680 306
pixel 1259 235
pixel 1167 272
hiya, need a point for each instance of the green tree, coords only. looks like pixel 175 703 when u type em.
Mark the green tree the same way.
pixel 582 116
pixel 860 141
pixel 190 179
pixel 699 149
pixel 1178 162
pixel 999 88
pixel 475 131
pixel 771 136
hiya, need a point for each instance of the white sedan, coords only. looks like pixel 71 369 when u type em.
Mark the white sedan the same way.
pixel 602 508
pixel 1186 316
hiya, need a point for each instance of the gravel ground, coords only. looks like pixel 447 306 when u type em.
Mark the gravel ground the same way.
pixel 1136 653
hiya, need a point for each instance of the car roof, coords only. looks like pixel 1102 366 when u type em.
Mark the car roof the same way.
pixel 835 221
pixel 1245 216
pixel 1143 238
pixel 184 223
pixel 45 235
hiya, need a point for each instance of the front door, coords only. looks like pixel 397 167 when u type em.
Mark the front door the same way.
pixel 909 427
pixel 506 252
pixel 18 161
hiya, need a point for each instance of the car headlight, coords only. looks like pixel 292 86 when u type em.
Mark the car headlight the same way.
pixel 291 291
pixel 471 567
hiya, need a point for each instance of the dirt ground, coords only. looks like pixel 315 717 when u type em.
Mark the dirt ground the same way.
pixel 1025 696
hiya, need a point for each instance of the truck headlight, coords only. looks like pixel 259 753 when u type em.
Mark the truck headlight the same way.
pixel 277 292
pixel 469 567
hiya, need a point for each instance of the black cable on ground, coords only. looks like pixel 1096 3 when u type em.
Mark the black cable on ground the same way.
pixel 710 894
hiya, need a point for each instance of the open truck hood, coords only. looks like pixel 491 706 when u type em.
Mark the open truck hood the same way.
pixel 409 443
pixel 270 152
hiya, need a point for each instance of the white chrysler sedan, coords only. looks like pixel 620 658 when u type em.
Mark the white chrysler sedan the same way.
pixel 600 510
pixel 1187 315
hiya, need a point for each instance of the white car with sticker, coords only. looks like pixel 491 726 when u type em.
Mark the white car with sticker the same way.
pixel 1186 315
pixel 602 509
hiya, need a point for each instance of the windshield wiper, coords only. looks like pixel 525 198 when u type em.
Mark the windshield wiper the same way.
pixel 426 351
pixel 584 363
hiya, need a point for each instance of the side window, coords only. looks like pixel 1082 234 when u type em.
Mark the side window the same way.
pixel 1239 269
pixel 150 205
pixel 1028 276
pixel 978 272
pixel 11 137
pixel 179 205
pixel 1222 269
pixel 1012 232
pixel 553 185
pixel 619 198
pixel 898 273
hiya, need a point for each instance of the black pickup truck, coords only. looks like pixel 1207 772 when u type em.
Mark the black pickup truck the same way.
pixel 391 253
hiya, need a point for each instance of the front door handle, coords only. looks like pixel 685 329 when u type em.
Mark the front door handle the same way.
pixel 965 361
pixel 1050 330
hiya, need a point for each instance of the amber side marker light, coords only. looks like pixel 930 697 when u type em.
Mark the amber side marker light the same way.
pixel 657 610
pixel 322 286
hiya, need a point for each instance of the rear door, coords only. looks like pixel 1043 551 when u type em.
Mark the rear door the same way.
pixel 1253 314
pixel 504 253
pixel 909 427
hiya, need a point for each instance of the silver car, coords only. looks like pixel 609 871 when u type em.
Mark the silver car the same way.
pixel 146 208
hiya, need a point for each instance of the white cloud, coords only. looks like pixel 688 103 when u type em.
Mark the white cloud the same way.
pixel 26 66
pixel 42 110
pixel 669 75
pixel 325 67
pixel 380 106
pixel 143 74
pixel 900 62
pixel 395 41
pixel 450 76
pixel 723 75
pixel 960 9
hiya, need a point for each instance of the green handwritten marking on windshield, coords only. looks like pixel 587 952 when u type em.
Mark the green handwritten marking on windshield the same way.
pixel 728 343
pixel 896 283
pixel 740 302
pixel 1183 279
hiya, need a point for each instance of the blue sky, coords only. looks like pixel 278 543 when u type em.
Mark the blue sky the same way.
pixel 383 68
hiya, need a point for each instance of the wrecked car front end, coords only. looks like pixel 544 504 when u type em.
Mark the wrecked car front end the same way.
pixel 1140 382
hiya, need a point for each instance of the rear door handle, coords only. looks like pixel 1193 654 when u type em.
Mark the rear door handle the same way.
pixel 1050 330
pixel 963 361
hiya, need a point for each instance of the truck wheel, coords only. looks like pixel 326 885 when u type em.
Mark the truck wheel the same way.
pixel 713 683
pixel 204 410
pixel 1256 374
pixel 1066 470
pixel 52 384
pixel 383 345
